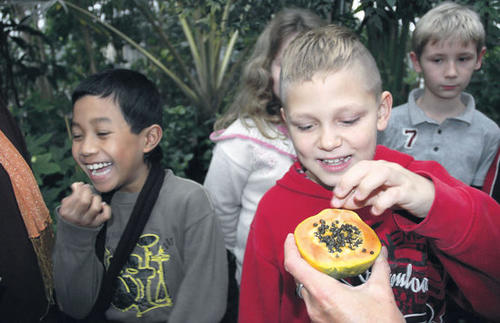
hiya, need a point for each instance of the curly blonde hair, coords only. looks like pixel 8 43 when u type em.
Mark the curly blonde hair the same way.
pixel 255 99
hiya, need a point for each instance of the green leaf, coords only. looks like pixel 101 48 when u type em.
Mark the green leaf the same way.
pixel 227 56
pixel 44 164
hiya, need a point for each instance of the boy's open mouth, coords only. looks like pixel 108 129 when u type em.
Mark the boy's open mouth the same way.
pixel 97 169
pixel 336 161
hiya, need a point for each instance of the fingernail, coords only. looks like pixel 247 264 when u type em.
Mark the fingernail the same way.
pixel 340 192
pixel 384 252
pixel 336 202
pixel 375 211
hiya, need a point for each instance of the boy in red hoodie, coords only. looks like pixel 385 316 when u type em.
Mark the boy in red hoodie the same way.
pixel 438 231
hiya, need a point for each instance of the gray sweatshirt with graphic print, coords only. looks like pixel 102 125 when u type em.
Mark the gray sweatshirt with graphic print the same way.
pixel 176 273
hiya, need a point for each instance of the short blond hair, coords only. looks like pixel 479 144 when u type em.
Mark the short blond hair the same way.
pixel 325 51
pixel 448 21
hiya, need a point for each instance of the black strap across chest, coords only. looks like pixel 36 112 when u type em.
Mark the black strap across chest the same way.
pixel 135 226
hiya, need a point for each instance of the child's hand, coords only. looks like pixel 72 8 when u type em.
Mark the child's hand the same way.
pixel 83 207
pixel 383 185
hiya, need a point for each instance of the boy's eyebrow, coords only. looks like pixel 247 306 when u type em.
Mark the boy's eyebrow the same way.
pixel 348 108
pixel 467 51
pixel 94 121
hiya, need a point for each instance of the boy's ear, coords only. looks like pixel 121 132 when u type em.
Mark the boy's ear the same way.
pixel 384 110
pixel 152 137
pixel 283 114
pixel 415 62
pixel 479 60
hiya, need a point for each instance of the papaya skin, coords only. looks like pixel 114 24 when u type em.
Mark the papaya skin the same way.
pixel 338 258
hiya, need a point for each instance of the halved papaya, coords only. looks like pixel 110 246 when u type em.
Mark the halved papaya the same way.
pixel 337 242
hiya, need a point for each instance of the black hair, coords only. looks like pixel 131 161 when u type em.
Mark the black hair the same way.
pixel 136 96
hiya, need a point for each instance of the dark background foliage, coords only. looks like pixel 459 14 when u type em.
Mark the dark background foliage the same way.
pixel 47 47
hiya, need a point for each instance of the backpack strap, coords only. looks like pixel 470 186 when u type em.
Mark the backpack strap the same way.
pixel 135 226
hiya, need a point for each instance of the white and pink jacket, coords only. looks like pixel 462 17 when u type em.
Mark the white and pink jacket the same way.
pixel 244 165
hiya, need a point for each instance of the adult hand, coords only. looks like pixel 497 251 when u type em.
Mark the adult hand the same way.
pixel 84 208
pixel 328 300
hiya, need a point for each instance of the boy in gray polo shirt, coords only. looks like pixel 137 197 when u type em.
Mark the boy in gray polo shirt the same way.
pixel 440 121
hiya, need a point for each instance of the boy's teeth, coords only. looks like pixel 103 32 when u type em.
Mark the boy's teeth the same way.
pixel 98 165
pixel 336 161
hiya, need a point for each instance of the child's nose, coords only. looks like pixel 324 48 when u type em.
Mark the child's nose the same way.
pixel 451 69
pixel 329 139
pixel 88 147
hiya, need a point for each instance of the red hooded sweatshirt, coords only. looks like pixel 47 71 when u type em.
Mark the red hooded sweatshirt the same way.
pixel 458 239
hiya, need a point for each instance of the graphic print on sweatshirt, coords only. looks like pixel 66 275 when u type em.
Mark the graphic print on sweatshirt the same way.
pixel 141 285
pixel 415 278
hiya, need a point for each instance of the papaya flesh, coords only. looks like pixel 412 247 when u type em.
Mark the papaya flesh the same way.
pixel 337 242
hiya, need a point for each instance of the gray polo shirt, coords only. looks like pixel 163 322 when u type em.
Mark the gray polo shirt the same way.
pixel 465 145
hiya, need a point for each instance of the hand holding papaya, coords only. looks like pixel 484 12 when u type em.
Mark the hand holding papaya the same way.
pixel 328 300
